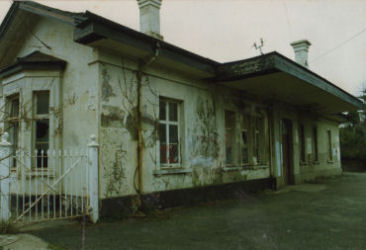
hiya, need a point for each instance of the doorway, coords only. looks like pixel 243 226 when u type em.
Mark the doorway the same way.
pixel 287 152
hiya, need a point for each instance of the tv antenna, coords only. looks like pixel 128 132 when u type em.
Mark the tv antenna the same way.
pixel 259 47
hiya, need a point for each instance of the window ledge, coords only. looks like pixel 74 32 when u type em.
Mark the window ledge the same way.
pixel 245 167
pixel 303 163
pixel 316 163
pixel 330 162
pixel 172 171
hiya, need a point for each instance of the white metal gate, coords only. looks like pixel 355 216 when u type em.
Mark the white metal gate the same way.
pixel 46 185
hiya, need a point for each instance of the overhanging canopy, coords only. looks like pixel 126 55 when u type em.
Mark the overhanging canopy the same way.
pixel 275 77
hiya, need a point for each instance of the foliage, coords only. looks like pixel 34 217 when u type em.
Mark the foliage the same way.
pixel 353 135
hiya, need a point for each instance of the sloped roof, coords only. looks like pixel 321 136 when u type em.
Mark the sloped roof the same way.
pixel 90 28
pixel 35 60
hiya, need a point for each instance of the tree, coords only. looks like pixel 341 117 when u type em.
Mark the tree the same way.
pixel 353 136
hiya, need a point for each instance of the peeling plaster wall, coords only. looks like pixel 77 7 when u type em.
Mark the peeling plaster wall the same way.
pixel 118 130
pixel 202 130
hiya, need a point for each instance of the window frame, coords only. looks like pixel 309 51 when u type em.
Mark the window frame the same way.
pixel 167 123
pixel 14 120
pixel 255 129
pixel 329 145
pixel 40 117
pixel 302 144
pixel 315 146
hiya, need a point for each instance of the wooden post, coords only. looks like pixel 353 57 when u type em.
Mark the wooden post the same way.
pixel 5 163
pixel 93 178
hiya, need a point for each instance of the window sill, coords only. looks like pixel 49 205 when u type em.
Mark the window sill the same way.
pixel 330 162
pixel 245 167
pixel 172 171
pixel 303 163
pixel 38 173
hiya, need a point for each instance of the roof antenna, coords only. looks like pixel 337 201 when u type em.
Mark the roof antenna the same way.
pixel 259 47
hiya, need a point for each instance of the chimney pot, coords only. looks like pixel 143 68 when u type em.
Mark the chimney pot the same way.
pixel 150 17
pixel 301 49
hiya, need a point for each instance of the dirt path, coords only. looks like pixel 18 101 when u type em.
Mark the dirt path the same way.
pixel 327 215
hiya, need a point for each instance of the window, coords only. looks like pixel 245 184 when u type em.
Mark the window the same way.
pixel 315 144
pixel 230 136
pixel 13 123
pixel 302 143
pixel 259 145
pixel 169 132
pixel 330 155
pixel 244 140
pixel 41 127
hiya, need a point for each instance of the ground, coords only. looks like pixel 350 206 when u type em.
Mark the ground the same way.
pixel 328 214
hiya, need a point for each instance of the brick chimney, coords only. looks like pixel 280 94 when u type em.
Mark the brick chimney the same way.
pixel 301 49
pixel 150 17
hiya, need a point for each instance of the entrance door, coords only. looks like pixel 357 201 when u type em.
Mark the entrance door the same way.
pixel 287 151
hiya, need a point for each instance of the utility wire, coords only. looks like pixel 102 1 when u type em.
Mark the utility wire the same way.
pixel 339 45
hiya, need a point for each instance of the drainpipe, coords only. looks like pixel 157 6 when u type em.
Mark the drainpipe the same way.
pixel 140 147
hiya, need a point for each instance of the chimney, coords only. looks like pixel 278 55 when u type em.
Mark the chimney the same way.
pixel 150 17
pixel 301 49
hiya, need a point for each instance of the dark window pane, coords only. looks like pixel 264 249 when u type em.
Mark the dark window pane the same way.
pixel 229 119
pixel 163 153
pixel 173 153
pixel 42 100
pixel 42 131
pixel 173 134
pixel 228 155
pixel 244 154
pixel 42 155
pixel 162 110
pixel 173 111
pixel 14 109
pixel 244 137
pixel 162 133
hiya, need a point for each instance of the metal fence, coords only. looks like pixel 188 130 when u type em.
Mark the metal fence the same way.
pixel 45 185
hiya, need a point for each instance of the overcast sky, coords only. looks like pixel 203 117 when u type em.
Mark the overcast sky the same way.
pixel 225 30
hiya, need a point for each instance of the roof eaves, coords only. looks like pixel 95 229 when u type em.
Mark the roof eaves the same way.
pixel 287 65
pixel 96 27
pixel 8 18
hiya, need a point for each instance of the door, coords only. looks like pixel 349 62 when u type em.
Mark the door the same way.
pixel 287 152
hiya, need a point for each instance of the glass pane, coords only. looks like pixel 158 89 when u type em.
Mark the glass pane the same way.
pixel 228 155
pixel 173 134
pixel 163 153
pixel 173 153
pixel 14 109
pixel 229 119
pixel 42 158
pixel 162 110
pixel 173 111
pixel 162 133
pixel 244 123
pixel 244 155
pixel 42 102
pixel 244 138
pixel 42 131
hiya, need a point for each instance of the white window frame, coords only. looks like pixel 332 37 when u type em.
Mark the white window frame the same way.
pixel 167 123
pixel 39 117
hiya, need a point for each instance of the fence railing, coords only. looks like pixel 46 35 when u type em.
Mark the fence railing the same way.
pixel 44 185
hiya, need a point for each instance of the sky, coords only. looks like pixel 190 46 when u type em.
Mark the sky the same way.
pixel 225 30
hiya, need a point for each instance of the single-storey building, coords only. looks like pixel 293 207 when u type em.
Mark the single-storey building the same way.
pixel 163 118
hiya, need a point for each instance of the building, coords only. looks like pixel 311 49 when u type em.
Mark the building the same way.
pixel 164 118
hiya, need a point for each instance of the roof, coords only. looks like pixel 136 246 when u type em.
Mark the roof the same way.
pixel 35 60
pixel 91 28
